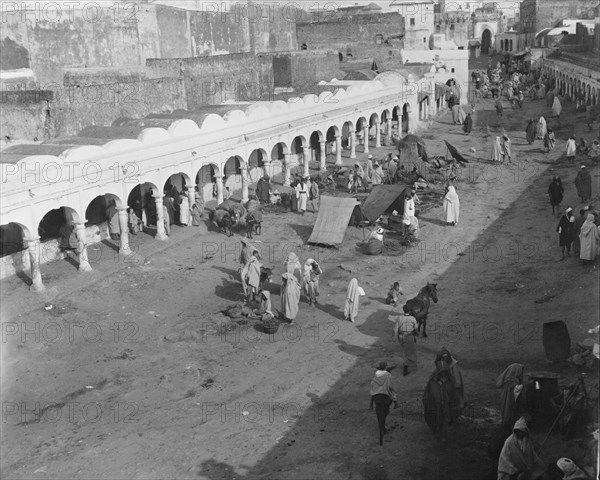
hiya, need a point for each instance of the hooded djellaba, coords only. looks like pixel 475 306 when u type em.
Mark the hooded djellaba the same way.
pixel 510 381
pixel 583 183
pixel 518 459
pixel 445 359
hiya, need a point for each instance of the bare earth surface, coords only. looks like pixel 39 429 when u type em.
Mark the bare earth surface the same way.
pixel 148 383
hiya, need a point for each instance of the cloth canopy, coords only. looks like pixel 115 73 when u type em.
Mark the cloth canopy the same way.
pixel 383 198
pixel 332 220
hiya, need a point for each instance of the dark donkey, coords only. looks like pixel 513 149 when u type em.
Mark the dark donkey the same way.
pixel 418 306
pixel 382 401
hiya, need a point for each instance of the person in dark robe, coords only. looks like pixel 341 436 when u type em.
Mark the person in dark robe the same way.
pixel 555 193
pixel 510 381
pixel 263 189
pixel 468 124
pixel 67 239
pixel 499 108
pixel 112 217
pixel 565 229
pixel 530 132
pixel 150 208
pixel 583 183
pixel 294 198
pixel 437 400
pixel 445 360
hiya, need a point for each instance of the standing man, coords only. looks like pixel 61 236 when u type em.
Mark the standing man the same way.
pixel 314 196
pixel 565 232
pixel 583 183
pixel 302 195
pixel 468 124
pixel 112 217
pixel 405 331
pixel 409 209
pixel 506 148
pixel 530 132
pixel 571 149
pixel 393 169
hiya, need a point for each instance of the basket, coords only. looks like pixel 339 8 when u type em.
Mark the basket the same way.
pixel 271 326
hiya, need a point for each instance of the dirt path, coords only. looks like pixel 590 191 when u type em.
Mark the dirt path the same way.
pixel 150 385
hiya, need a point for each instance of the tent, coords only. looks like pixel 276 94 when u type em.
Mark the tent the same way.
pixel 384 198
pixel 332 220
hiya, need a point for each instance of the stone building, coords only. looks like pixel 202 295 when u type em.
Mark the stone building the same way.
pixel 419 18
pixel 70 181
pixel 61 72
pixel 536 15
pixel 575 66
pixel 378 37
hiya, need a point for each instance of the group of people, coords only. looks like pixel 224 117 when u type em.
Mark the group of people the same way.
pixel 581 233
pixel 304 190
pixel 518 459
pixel 294 279
pixel 443 398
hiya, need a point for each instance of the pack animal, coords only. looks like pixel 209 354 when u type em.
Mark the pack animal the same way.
pixel 265 276
pixel 418 306
pixel 224 222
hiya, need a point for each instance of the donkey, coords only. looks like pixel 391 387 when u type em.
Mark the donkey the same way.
pixel 418 306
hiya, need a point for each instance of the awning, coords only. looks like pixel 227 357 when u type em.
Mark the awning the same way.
pixel 382 198
pixel 474 43
pixel 422 96
pixel 522 53
pixel 332 220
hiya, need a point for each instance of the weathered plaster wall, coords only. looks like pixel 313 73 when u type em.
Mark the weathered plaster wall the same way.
pixel 358 32
pixel 86 99
pixel 131 36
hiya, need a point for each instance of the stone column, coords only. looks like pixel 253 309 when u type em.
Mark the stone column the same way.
pixel 84 264
pixel 286 169
pixel 366 139
pixel 323 156
pixel 245 182
pixel 377 135
pixel 124 250
pixel 388 132
pixel 160 219
pixel 219 183
pixel 191 191
pixel 352 144
pixel 305 160
pixel 338 149
pixel 33 248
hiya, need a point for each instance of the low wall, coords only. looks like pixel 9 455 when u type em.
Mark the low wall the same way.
pixel 18 262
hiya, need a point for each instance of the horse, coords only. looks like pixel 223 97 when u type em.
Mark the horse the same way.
pixel 382 409
pixel 418 306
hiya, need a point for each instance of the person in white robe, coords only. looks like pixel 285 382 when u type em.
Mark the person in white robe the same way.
pixel 451 206
pixel 556 107
pixel 184 209
pixel 302 196
pixel 541 128
pixel 496 150
pixel 409 210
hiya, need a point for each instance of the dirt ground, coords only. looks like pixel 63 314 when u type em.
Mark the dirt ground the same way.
pixel 144 379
